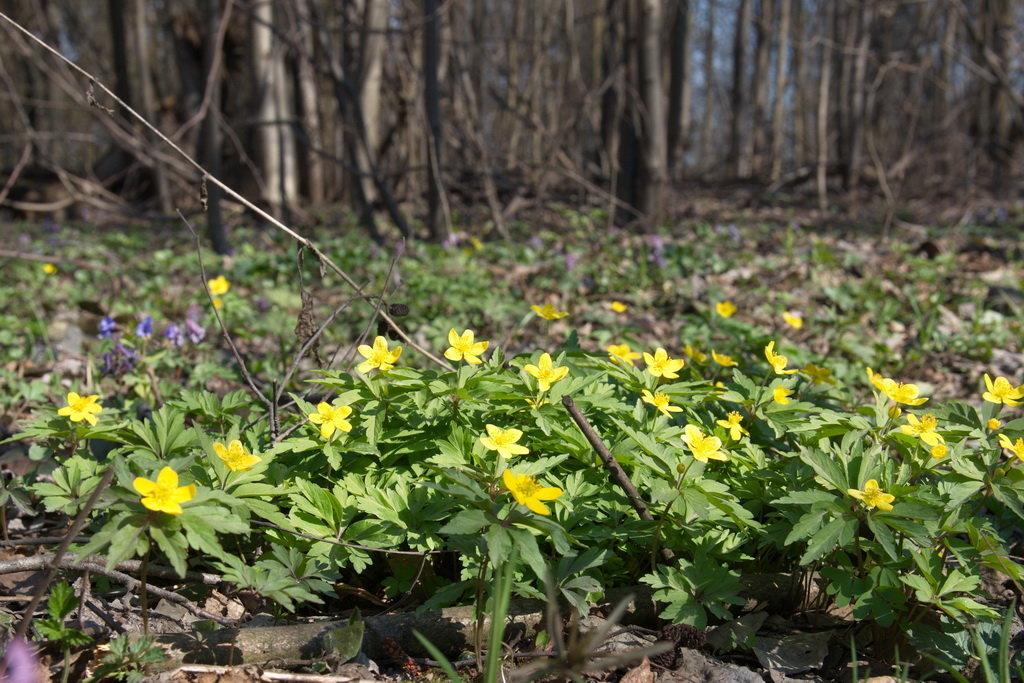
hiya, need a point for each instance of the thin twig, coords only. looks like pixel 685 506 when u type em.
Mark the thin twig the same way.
pixel 216 313
pixel 74 561
pixel 618 475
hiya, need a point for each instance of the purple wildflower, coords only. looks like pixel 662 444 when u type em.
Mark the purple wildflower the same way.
pixel 657 243
pixel 145 328
pixel 118 361
pixel 20 663
pixel 175 335
pixel 196 332
pixel 108 326
pixel 571 259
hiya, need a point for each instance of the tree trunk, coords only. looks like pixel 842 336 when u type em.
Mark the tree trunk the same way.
pixel 437 228
pixel 801 91
pixel 736 160
pixel 211 139
pixel 119 43
pixel 680 85
pixel 778 122
pixel 274 116
pixel 824 79
pixel 652 179
pixel 309 101
pixel 143 46
pixel 707 161
pixel 756 143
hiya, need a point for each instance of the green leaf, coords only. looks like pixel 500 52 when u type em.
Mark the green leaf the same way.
pixel 173 546
pixel 836 532
pixel 466 522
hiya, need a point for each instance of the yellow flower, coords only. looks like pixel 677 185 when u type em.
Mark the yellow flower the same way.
pixel 622 352
pixel 504 441
pixel 1016 447
pixel 81 408
pixel 939 451
pixel 661 365
pixel 219 285
pixel 164 494
pixel 660 401
pixel 994 424
pixel 548 312
pixel 331 418
pixel 778 362
pixel 924 428
pixel 732 423
pixel 876 379
pixel 725 308
pixel 694 354
pixel 379 356
pixel 464 348
pixel 545 373
pixel 217 303
pixel 536 402
pixel 49 268
pixel 618 306
pixel 781 394
pixel 899 392
pixel 702 446
pixel 722 359
pixel 794 320
pixel 528 492
pixel 818 374
pixel 872 496
pixel 1001 391
pixel 235 456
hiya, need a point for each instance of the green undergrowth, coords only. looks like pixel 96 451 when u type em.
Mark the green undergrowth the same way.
pixel 745 451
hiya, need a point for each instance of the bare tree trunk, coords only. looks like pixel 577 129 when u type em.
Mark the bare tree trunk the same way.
pixel 274 112
pixel 707 122
pixel 680 85
pixel 801 112
pixel 119 43
pixel 653 176
pixel 858 86
pixel 756 143
pixel 312 162
pixel 437 228
pixel 824 79
pixel 211 139
pixel 143 45
pixel 778 122
pixel 735 159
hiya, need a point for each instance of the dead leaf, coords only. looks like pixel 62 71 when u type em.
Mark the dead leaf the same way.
pixel 641 674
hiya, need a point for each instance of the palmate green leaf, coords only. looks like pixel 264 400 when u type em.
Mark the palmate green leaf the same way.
pixel 499 542
pixel 525 545
pixel 826 467
pixel 884 538
pixel 805 527
pixel 466 522
pixel 837 532
pixel 173 546
pixel 807 498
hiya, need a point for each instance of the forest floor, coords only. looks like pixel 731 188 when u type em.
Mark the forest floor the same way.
pixel 932 297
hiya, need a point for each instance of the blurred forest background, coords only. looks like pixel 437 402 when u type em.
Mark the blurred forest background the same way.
pixel 419 113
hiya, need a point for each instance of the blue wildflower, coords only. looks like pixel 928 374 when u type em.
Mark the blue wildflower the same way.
pixel 145 328
pixel 108 326
pixel 175 335
pixel 118 361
